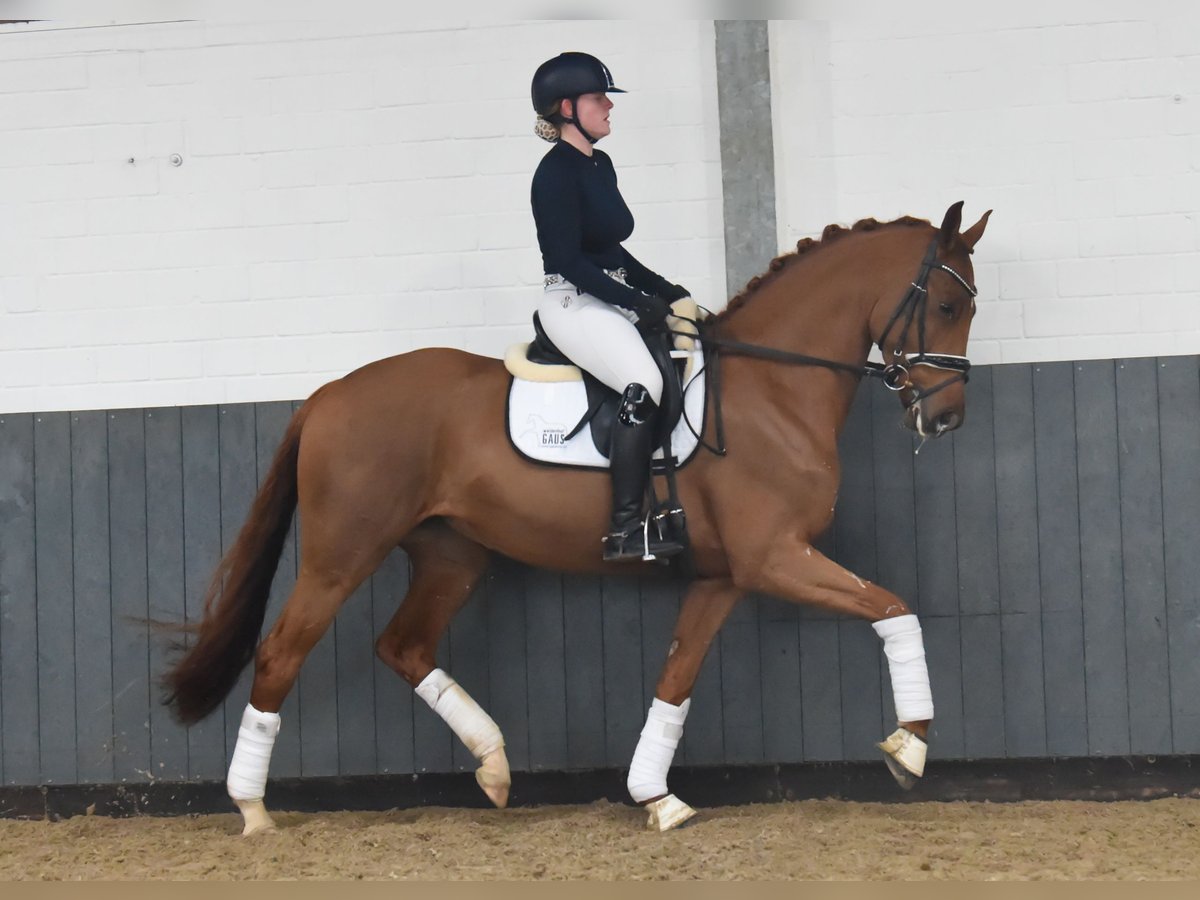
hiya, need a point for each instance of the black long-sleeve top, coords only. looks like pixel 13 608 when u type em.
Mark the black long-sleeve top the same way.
pixel 581 220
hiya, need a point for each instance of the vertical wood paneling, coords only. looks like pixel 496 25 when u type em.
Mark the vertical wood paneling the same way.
pixel 92 596
pixel 1017 552
pixel 704 737
pixel 201 553
pixel 943 656
pixel 1059 567
pixel 1179 417
pixel 862 694
pixel 625 700
pixel 546 680
pixel 165 577
pixel 55 604
pixel 975 505
pixel 821 689
pixel 1142 557
pixel 508 658
pixel 19 715
pixel 1100 558
pixel 741 684
pixel 982 687
pixel 133 692
pixel 584 654
pixel 936 533
pixel 782 712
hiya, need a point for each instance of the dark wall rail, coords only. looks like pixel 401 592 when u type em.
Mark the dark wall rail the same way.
pixel 1049 547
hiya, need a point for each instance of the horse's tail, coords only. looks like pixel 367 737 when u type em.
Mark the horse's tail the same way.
pixel 235 603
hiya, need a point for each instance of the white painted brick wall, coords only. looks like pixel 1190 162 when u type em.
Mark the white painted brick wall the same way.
pixel 1078 122
pixel 349 190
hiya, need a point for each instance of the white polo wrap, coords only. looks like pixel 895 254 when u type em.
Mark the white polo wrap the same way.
pixel 252 754
pixel 465 717
pixel 905 651
pixel 656 749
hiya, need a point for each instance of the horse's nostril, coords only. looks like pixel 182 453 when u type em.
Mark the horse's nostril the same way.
pixel 947 421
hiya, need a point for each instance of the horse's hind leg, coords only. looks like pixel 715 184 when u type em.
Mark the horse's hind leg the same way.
pixel 706 605
pixel 320 591
pixel 445 569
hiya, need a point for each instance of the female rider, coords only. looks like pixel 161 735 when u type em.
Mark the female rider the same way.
pixel 597 296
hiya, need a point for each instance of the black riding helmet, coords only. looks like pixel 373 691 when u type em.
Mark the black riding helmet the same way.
pixel 566 77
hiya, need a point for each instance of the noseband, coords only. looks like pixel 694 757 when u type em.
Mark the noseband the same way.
pixel 912 308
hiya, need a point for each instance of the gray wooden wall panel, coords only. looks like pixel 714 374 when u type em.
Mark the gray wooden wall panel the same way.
pixel 583 657
pixel 92 597
pixel 547 674
pixel 132 690
pixel 55 600
pixel 1059 568
pixel 1075 636
pixel 1100 551
pixel 201 548
pixel 19 690
pixel 1140 473
pixel 164 576
pixel 1017 556
pixel 741 684
pixel 1179 429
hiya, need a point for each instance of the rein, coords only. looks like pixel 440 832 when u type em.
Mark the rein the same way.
pixel 895 375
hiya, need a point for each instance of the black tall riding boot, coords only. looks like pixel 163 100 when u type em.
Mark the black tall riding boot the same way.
pixel 629 455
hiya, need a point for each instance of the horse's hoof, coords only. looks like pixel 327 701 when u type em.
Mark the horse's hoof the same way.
pixel 667 813
pixel 904 753
pixel 905 779
pixel 256 817
pixel 494 777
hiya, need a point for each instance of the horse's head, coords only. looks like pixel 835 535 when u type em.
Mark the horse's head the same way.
pixel 923 338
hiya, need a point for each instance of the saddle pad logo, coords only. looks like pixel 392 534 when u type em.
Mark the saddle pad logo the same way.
pixel 543 434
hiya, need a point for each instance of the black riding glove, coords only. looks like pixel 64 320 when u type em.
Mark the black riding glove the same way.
pixel 651 310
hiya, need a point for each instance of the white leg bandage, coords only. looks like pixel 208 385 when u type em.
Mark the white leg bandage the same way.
pixel 906 661
pixel 656 749
pixel 252 755
pixel 465 717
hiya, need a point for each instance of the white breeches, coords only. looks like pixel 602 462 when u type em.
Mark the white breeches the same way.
pixel 905 651
pixel 599 338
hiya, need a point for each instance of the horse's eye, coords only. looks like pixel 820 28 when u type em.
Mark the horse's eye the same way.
pixel 947 310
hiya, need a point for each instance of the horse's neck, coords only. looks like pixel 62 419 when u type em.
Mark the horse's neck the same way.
pixel 819 307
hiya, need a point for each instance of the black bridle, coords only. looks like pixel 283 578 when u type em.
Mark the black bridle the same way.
pixel 895 375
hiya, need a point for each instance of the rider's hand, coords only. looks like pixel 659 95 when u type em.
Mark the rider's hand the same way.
pixel 652 312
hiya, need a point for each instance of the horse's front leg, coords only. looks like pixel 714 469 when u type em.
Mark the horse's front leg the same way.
pixel 795 570
pixel 706 605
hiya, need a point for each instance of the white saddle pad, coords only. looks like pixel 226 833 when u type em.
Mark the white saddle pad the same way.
pixel 541 414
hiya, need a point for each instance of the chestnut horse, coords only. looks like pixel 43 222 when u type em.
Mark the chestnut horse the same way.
pixel 411 451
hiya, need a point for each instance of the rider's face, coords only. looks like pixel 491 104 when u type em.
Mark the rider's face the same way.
pixel 593 114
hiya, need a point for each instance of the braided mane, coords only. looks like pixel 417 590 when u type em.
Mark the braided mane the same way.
pixel 831 234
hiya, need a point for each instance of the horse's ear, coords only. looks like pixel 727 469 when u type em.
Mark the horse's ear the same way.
pixel 949 230
pixel 972 235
